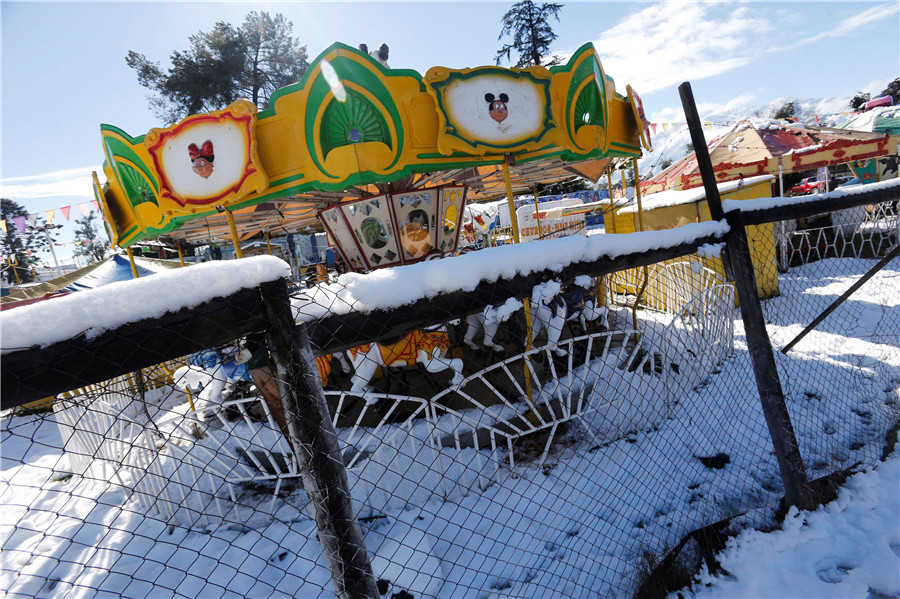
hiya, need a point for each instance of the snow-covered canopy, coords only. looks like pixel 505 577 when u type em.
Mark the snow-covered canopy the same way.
pixel 672 197
pixel 751 149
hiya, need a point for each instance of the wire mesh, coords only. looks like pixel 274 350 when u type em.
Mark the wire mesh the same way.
pixel 553 445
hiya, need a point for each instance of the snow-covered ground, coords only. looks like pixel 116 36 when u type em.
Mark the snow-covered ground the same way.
pixel 848 548
pixel 581 525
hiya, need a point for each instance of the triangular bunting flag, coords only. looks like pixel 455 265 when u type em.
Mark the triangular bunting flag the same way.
pixel 19 222
pixel 85 208
pixel 665 127
pixel 96 206
pixel 653 126
pixel 3 225
pixel 708 127
pixel 50 214
pixel 65 211
pixel 32 219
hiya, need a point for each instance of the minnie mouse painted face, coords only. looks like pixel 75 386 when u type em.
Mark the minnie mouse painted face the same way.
pixel 497 107
pixel 202 158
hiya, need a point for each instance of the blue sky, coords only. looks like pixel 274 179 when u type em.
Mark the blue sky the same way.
pixel 64 71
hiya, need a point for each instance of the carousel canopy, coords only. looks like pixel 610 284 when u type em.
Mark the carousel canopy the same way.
pixel 296 213
pixel 351 128
pixel 750 151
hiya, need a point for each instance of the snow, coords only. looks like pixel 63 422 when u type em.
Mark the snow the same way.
pixel 848 548
pixel 766 203
pixel 673 197
pixel 394 287
pixel 576 528
pixel 671 145
pixel 47 322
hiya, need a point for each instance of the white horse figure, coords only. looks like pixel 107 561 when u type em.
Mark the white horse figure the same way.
pixel 488 321
pixel 551 308
pixel 418 347
pixel 548 312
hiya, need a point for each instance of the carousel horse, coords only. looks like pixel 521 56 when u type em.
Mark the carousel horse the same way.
pixel 418 347
pixel 552 308
pixel 488 321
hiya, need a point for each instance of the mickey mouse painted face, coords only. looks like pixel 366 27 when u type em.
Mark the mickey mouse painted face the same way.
pixel 497 107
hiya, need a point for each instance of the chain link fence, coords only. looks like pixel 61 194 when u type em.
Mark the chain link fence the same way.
pixel 470 427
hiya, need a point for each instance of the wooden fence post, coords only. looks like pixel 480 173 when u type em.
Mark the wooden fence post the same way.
pixel 768 384
pixel 314 442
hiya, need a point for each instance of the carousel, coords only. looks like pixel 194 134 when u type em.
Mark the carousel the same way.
pixel 385 161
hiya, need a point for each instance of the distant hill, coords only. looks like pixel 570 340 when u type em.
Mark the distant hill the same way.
pixel 671 143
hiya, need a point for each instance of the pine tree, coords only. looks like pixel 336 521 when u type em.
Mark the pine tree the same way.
pixel 224 65
pixel 859 100
pixel 87 239
pixel 532 35
pixel 892 90
pixel 786 111
pixel 18 246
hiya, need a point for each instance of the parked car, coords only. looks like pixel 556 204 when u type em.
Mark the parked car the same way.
pixel 807 185
pixel 850 182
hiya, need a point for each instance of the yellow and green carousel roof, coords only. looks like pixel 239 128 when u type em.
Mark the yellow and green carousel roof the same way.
pixel 350 126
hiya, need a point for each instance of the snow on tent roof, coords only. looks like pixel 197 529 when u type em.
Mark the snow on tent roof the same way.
pixel 885 119
pixel 110 270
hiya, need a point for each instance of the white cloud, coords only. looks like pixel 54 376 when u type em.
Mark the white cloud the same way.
pixel 670 42
pixel 852 24
pixel 73 182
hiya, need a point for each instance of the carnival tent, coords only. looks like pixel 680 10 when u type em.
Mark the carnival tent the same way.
pixel 885 119
pixel 113 269
pixel 775 148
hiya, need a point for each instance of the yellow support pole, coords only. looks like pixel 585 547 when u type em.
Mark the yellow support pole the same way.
pixel 637 193
pixel 537 212
pixel 509 199
pixel 268 244
pixel 612 201
pixel 134 270
pixel 180 253
pixel 14 262
pixel 238 253
pixel 526 304
pixel 640 211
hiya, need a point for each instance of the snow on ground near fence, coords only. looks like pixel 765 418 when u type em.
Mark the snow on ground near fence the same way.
pixel 576 529
pixel 849 548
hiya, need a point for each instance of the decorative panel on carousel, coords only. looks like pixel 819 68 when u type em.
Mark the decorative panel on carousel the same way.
pixel 337 226
pixel 370 221
pixel 450 212
pixel 415 213
pixel 208 159
pixel 492 110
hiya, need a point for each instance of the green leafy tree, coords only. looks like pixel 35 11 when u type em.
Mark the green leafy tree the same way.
pixel 224 65
pixel 786 111
pixel 88 242
pixel 892 90
pixel 529 25
pixel 859 100
pixel 18 245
